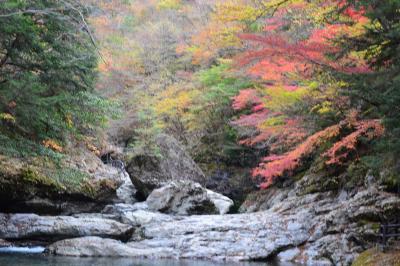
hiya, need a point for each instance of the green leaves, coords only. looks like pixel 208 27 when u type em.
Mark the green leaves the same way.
pixel 47 68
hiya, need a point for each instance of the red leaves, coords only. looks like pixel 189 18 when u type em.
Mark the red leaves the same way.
pixel 292 51
pixel 341 150
pixel 245 98
pixel 275 166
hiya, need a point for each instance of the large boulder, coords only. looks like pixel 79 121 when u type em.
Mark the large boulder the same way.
pixel 136 215
pixel 214 237
pixel 51 228
pixel 187 198
pixel 127 191
pixel 82 184
pixel 150 171
pixel 100 247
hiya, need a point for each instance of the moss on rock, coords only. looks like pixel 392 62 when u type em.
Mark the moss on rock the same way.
pixel 374 257
pixel 24 182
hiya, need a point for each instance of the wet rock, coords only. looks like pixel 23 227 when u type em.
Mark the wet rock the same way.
pixel 4 243
pixel 148 172
pixel 289 255
pixel 187 198
pixel 345 222
pixel 50 228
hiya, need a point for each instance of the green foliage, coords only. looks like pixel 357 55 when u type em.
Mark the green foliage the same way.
pixel 169 4
pixel 145 140
pixel 47 71
pixel 378 91
pixel 212 113
pixel 17 146
pixel 70 178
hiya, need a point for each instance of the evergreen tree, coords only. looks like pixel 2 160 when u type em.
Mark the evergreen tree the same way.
pixel 379 90
pixel 47 70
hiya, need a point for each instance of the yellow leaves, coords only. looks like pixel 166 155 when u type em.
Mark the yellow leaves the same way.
pixel 229 19
pixel 93 149
pixel 175 100
pixel 7 117
pixel 68 121
pixel 280 97
pixel 272 122
pixel 216 35
pixel 236 11
pixel 323 108
pixel 52 144
pixel 169 4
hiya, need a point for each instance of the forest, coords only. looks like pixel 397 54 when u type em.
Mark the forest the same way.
pixel 275 104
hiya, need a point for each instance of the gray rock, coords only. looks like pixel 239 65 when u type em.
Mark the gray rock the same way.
pixel 186 198
pixel 127 191
pixel 263 200
pixel 136 215
pixel 289 255
pixel 313 229
pixel 221 202
pixel 118 209
pixel 215 237
pixel 34 227
pixel 148 172
pixel 99 247
pixel 4 243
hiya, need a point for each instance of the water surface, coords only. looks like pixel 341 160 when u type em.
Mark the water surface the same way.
pixel 18 259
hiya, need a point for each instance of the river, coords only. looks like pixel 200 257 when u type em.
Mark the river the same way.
pixel 18 257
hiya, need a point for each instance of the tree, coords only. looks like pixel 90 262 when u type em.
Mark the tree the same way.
pixel 301 59
pixel 378 91
pixel 47 70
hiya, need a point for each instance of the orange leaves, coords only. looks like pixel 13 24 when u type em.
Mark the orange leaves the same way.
pixel 93 149
pixel 53 145
pixel 292 44
pixel 245 98
pixel 341 150
pixel 275 166
pixel 228 19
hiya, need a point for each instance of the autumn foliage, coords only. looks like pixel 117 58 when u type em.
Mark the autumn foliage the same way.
pixel 340 151
pixel 270 76
pixel 275 166
pixel 289 57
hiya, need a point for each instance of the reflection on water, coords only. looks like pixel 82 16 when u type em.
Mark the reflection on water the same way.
pixel 15 259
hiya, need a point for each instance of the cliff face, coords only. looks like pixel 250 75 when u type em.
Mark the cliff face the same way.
pixel 344 222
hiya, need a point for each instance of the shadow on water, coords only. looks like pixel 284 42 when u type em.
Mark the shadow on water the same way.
pixel 15 259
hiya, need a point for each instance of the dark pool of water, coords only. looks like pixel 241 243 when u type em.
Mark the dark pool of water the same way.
pixel 44 260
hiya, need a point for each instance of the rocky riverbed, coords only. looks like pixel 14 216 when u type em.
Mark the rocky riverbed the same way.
pixel 318 228
pixel 180 219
